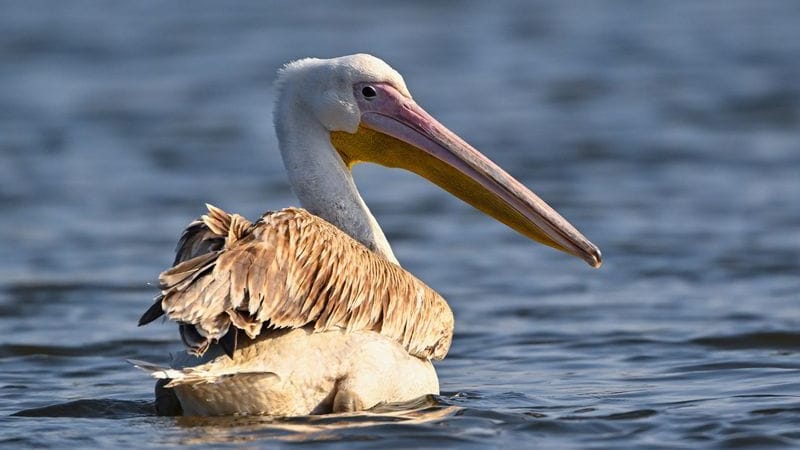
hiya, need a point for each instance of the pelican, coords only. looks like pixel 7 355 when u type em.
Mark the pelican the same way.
pixel 307 310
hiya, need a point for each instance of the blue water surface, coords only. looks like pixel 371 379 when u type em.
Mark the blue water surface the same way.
pixel 668 132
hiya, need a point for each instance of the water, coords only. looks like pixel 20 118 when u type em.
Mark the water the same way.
pixel 667 132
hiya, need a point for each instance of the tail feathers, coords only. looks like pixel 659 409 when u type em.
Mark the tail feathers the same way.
pixel 190 376
pixel 155 371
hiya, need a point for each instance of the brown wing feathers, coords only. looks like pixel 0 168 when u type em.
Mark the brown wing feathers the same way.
pixel 292 269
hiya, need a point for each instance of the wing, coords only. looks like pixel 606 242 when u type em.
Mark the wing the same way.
pixel 203 236
pixel 292 269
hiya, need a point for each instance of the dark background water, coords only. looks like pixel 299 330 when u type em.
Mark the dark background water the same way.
pixel 668 132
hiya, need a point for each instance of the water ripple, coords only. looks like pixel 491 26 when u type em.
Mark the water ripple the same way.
pixel 783 340
pixel 666 131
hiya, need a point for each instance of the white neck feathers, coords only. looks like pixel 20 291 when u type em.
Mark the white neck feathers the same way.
pixel 320 179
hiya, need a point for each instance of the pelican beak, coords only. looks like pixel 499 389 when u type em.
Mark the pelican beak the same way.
pixel 396 132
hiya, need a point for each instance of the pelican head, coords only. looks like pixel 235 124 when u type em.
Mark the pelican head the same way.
pixel 363 110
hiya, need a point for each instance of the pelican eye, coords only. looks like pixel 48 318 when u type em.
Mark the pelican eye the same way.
pixel 369 92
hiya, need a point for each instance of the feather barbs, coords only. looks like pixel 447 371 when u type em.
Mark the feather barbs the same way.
pixel 292 269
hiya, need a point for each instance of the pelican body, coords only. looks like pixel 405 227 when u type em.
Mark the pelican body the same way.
pixel 307 310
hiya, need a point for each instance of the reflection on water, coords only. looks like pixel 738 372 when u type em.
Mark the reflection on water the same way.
pixel 413 417
pixel 424 413
pixel 666 132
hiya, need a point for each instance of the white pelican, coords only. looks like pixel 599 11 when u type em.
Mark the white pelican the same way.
pixel 308 311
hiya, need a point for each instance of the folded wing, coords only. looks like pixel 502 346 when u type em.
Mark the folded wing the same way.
pixel 292 269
